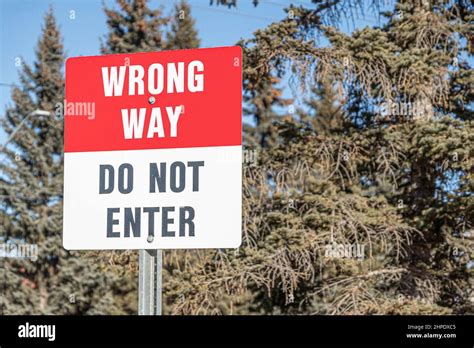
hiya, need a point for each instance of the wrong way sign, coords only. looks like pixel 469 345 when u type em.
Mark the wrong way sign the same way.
pixel 153 150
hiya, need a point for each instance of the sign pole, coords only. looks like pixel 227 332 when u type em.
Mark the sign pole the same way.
pixel 150 282
pixel 158 281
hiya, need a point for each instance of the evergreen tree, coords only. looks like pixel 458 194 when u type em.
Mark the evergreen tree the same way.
pixel 326 113
pixel 58 281
pixel 349 210
pixel 182 34
pixel 134 28
pixel 402 188
pixel 262 96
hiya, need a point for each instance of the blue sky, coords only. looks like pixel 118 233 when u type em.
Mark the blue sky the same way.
pixel 21 22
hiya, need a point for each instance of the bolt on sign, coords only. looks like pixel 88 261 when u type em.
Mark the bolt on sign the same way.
pixel 159 163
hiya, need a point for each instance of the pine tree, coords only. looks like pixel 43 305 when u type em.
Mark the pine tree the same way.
pixel 31 180
pixel 262 96
pixel 337 173
pixel 134 28
pixel 326 113
pixel 183 33
pixel 401 187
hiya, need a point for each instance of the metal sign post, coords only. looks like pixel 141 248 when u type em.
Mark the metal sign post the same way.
pixel 150 282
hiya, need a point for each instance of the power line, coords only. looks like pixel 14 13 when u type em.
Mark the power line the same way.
pixel 287 4
pixel 233 12
pixel 275 3
pixel 8 84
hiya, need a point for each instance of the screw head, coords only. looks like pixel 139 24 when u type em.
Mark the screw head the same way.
pixel 151 100
pixel 150 239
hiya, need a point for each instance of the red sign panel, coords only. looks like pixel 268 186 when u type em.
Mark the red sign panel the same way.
pixel 157 100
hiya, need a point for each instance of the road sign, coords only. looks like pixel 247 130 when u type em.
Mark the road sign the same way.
pixel 153 150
